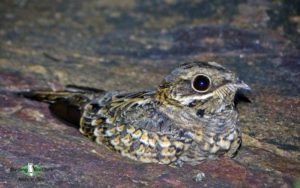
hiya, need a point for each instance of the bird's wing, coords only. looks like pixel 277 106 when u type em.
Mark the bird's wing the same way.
pixel 130 109
pixel 132 125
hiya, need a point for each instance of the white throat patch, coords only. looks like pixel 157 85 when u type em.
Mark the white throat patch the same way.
pixel 188 99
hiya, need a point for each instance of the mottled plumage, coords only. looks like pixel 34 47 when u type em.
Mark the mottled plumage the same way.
pixel 190 117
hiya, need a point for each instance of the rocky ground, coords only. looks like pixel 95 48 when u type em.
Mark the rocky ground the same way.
pixel 131 45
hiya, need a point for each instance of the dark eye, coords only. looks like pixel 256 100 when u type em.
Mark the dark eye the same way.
pixel 201 83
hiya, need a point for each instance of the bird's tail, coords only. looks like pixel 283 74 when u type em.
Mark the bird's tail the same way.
pixel 66 104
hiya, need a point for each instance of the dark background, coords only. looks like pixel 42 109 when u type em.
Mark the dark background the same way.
pixel 132 45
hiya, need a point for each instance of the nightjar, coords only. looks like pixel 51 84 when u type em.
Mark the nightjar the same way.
pixel 190 117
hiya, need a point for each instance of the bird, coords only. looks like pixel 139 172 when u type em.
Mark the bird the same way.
pixel 189 118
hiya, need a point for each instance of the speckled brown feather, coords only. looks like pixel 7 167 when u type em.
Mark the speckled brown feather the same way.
pixel 171 125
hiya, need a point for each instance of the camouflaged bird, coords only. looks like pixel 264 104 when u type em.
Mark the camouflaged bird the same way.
pixel 190 117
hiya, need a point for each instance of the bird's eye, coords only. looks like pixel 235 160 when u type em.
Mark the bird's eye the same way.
pixel 201 83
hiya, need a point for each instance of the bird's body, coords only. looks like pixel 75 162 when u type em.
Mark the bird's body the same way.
pixel 182 121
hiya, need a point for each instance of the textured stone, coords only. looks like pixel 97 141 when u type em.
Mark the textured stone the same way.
pixel 130 46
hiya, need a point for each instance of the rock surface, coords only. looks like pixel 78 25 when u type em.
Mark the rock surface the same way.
pixel 131 45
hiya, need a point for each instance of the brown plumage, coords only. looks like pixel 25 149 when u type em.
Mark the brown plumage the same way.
pixel 190 117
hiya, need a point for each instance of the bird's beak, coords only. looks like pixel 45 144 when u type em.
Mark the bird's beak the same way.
pixel 242 85
pixel 243 91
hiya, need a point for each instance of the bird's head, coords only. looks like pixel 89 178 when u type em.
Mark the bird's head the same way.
pixel 201 84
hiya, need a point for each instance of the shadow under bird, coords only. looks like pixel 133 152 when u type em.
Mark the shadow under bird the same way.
pixel 189 118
